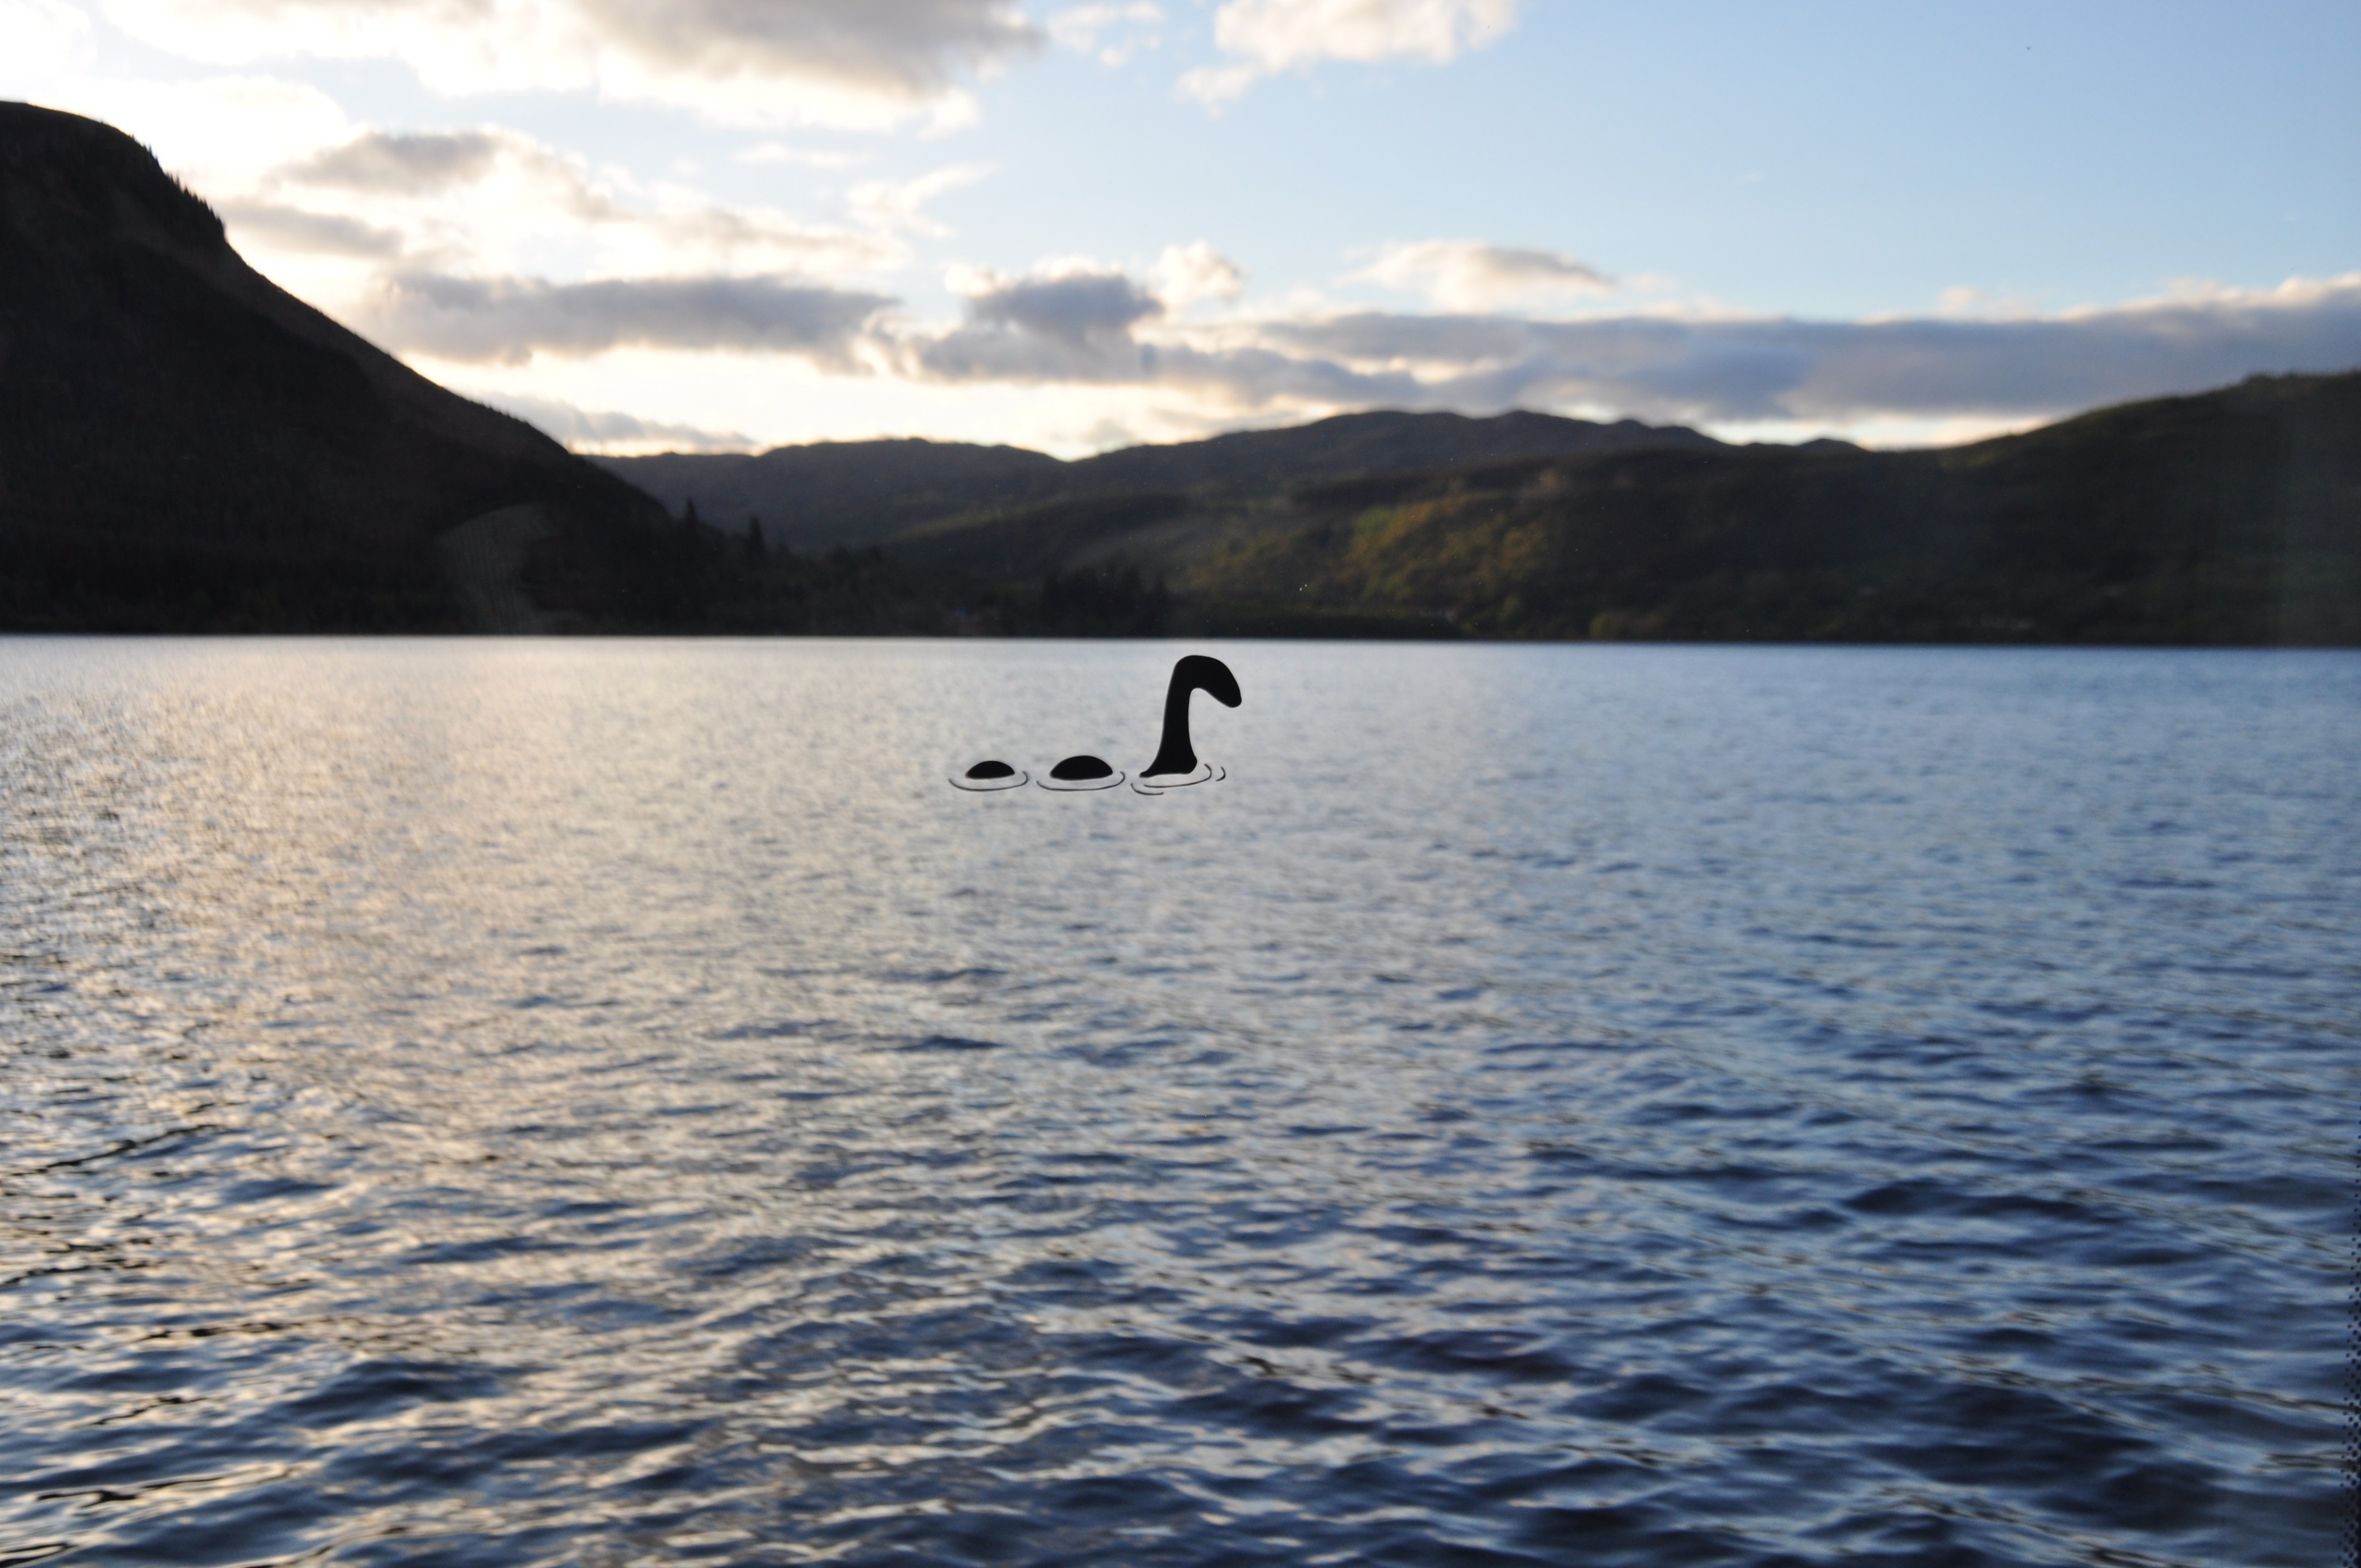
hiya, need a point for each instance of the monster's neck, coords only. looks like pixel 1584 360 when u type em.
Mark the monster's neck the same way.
pixel 1175 755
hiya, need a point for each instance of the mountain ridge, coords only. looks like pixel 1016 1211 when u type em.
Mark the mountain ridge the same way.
pixel 2226 517
pixel 2231 516
pixel 819 495
pixel 184 444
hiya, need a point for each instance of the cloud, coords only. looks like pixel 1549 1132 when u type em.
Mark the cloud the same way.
pixel 416 164
pixel 1069 321
pixel 1078 27
pixel 509 320
pixel 1750 369
pixel 1071 305
pixel 897 204
pixel 1103 328
pixel 780 152
pixel 856 63
pixel 1187 273
pixel 1266 37
pixel 45 36
pixel 492 201
pixel 293 228
pixel 1071 310
pixel 209 131
pixel 608 430
pixel 1465 275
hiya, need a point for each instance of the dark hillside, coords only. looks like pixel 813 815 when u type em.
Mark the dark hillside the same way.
pixel 861 493
pixel 1260 461
pixel 855 493
pixel 185 446
pixel 1039 541
pixel 2231 517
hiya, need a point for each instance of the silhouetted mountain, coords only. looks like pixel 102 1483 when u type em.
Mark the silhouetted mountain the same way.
pixel 183 445
pixel 871 492
pixel 2230 517
pixel 1257 462
pixel 853 493
pixel 1138 529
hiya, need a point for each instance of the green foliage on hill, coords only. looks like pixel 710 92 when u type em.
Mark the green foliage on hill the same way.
pixel 915 494
pixel 2229 517
pixel 857 493
pixel 739 585
pixel 1039 541
pixel 848 593
pixel 2233 517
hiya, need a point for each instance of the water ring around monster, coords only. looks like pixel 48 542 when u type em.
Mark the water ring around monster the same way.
pixel 1174 755
pixel 1158 783
pixel 1082 773
pixel 991 774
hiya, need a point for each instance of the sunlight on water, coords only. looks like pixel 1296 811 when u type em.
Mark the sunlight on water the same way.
pixel 550 1103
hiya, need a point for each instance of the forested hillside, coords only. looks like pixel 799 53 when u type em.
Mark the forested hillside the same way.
pixel 2228 517
pixel 2233 517
pixel 184 446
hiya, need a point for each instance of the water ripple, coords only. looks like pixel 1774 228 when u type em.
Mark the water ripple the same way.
pixel 1810 1106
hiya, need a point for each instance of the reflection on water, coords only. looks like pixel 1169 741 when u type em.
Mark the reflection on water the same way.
pixel 604 1103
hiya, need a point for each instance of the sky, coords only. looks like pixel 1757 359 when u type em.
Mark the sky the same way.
pixel 729 225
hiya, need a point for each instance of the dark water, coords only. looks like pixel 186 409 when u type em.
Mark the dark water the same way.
pixel 614 1103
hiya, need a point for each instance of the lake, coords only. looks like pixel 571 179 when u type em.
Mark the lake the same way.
pixel 605 1102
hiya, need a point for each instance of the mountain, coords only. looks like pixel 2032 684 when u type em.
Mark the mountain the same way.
pixel 185 446
pixel 2231 517
pixel 860 493
pixel 2228 517
pixel 1260 461
pixel 855 493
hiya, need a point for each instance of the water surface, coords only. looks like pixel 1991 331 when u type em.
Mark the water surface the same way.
pixel 610 1102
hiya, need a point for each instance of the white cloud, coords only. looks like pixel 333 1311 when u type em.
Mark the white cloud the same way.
pixel 45 36
pixel 608 430
pixel 267 225
pixel 1059 361
pixel 420 163
pixel 1081 27
pixel 780 152
pixel 895 205
pixel 871 63
pixel 1466 275
pixel 1979 304
pixel 211 132
pixel 509 320
pixel 1263 37
pixel 1187 273
pixel 1779 368
pixel 488 200
pixel 1103 327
